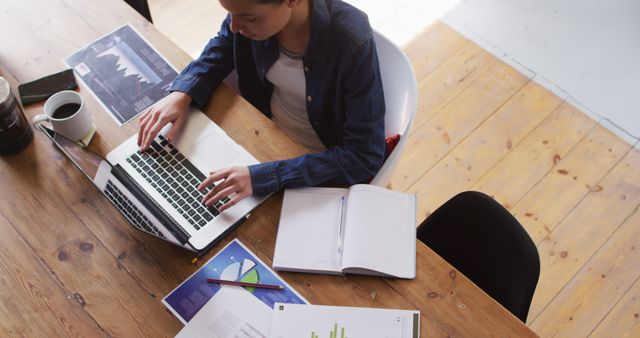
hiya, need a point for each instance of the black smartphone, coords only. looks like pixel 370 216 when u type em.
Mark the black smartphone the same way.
pixel 42 88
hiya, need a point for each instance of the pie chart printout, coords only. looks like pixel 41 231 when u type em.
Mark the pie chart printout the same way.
pixel 235 262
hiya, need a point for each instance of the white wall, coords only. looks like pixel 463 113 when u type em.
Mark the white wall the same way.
pixel 402 20
pixel 587 51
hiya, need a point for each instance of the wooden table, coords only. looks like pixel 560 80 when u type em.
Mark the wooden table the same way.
pixel 70 264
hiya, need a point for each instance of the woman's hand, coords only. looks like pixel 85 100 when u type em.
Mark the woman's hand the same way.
pixel 235 180
pixel 172 108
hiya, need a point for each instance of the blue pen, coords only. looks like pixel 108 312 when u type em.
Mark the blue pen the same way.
pixel 340 230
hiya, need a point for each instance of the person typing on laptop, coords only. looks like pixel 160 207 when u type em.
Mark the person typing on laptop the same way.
pixel 309 65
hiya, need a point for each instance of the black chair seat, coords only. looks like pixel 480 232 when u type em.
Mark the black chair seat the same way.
pixel 487 244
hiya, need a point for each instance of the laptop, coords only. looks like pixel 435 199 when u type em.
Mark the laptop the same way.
pixel 156 190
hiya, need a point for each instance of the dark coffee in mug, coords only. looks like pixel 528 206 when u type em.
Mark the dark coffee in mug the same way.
pixel 65 111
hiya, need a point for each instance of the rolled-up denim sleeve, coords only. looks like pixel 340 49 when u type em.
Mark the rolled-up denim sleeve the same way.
pixel 361 153
pixel 202 75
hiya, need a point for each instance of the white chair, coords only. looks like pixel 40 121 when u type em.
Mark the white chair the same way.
pixel 400 96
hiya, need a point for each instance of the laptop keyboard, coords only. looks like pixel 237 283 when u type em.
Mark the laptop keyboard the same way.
pixel 130 211
pixel 176 179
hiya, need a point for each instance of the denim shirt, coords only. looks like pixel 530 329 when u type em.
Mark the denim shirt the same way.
pixel 345 100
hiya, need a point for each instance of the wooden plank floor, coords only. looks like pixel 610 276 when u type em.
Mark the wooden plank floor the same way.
pixel 481 125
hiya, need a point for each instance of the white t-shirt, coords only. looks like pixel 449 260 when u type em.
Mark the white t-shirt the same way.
pixel 288 102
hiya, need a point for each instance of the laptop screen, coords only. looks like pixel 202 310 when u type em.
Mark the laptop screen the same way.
pixel 84 159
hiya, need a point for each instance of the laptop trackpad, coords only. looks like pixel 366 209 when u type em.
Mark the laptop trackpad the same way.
pixel 214 151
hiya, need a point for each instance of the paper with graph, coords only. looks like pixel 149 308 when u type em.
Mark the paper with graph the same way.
pixel 319 321
pixel 123 72
pixel 200 302
pixel 233 312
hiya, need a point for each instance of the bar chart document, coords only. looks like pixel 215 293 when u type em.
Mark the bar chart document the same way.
pixel 319 321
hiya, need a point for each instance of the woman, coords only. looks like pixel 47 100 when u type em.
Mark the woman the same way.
pixel 309 65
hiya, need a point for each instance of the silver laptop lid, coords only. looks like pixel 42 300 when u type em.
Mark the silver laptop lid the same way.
pixel 87 161
pixel 206 147
pixel 99 171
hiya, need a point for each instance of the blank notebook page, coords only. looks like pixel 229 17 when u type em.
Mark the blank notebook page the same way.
pixel 308 230
pixel 380 231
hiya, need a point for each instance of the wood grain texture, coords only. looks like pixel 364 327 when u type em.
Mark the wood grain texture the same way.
pixel 549 201
pixel 525 151
pixel 32 300
pixel 79 260
pixel 433 141
pixel 433 47
pixel 451 78
pixel 586 229
pixel 534 177
pixel 534 157
pixel 452 295
pixel 485 146
pixel 435 91
pixel 115 276
pixel 192 22
pixel 597 287
pixel 370 292
pixel 624 319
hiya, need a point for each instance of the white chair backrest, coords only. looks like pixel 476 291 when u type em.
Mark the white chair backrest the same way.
pixel 400 96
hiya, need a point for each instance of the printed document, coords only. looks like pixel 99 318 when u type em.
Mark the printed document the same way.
pixel 319 321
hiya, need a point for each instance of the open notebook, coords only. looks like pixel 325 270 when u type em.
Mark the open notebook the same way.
pixel 362 230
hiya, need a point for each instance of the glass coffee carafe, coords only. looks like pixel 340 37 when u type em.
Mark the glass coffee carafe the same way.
pixel 15 131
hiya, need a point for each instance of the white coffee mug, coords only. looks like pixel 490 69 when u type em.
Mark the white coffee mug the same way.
pixel 77 125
